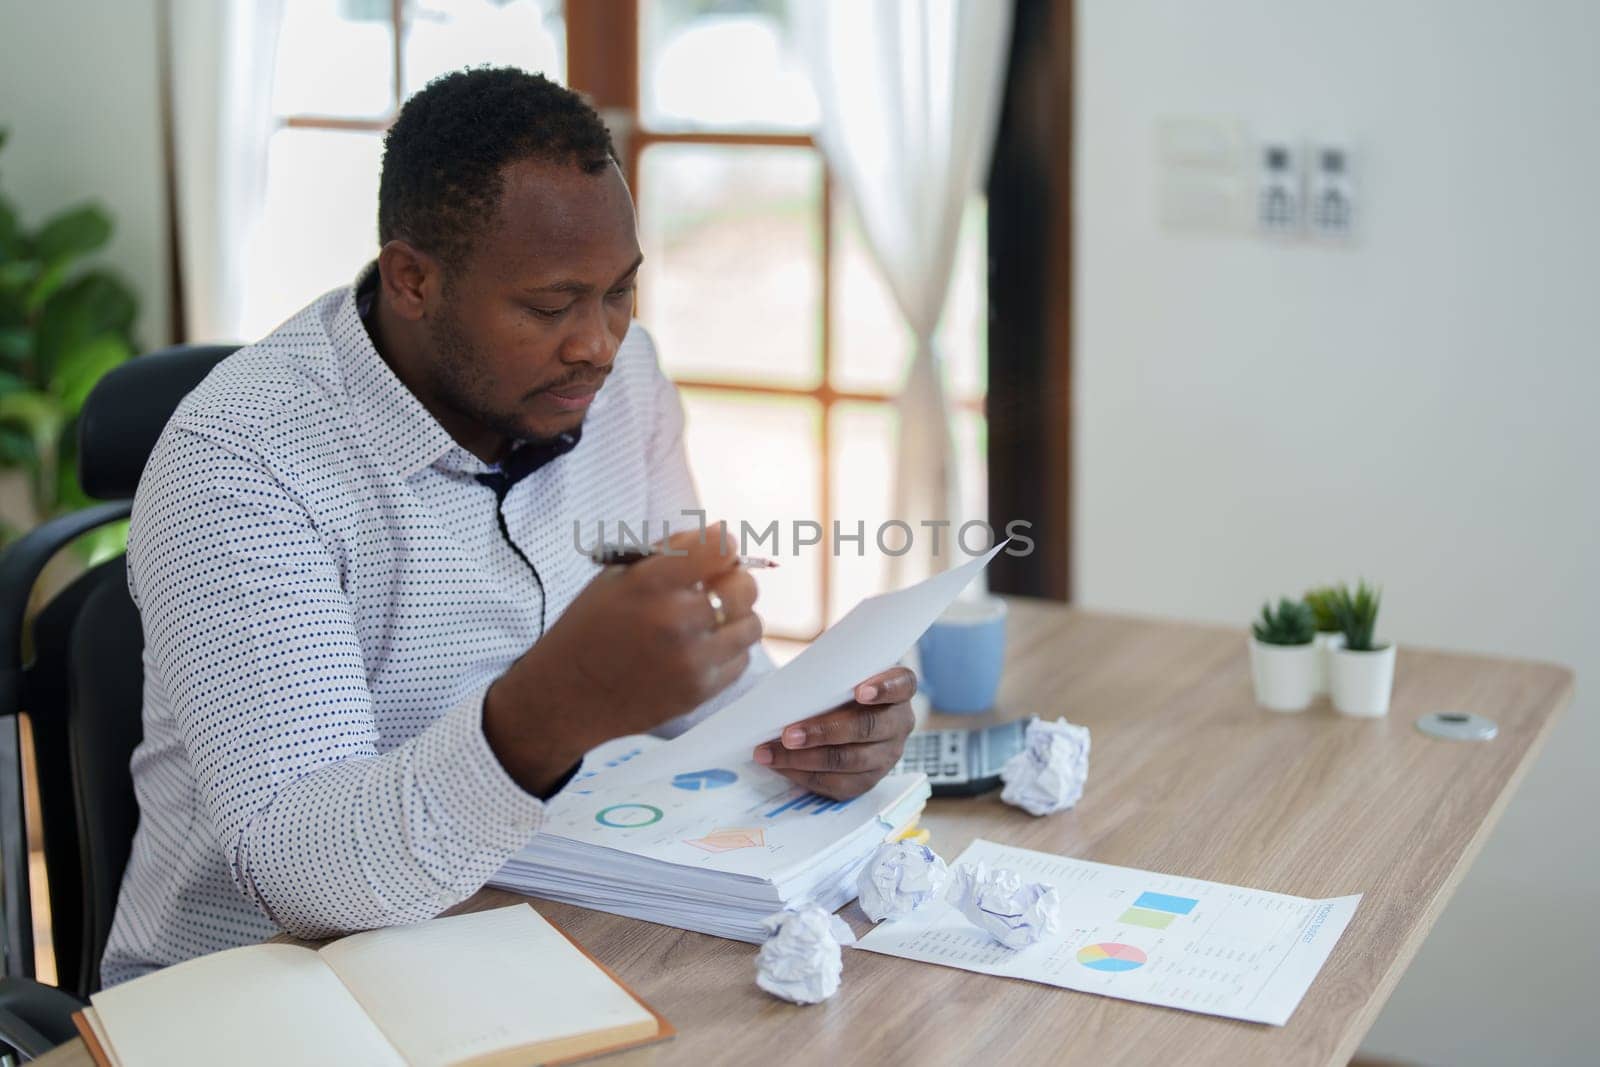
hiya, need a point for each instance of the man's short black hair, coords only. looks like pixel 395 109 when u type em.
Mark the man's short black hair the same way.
pixel 443 156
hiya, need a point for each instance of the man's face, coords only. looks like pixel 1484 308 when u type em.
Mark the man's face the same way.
pixel 532 319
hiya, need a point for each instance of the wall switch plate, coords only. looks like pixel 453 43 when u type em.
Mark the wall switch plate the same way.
pixel 1201 179
pixel 1278 200
pixel 1202 203
pixel 1192 144
pixel 1330 202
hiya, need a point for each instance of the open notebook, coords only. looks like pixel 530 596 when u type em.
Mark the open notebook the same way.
pixel 485 989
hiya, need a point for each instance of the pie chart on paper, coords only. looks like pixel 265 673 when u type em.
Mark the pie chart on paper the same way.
pixel 1112 956
pixel 696 781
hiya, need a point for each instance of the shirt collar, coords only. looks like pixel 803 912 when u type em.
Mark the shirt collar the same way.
pixel 393 421
pixel 525 458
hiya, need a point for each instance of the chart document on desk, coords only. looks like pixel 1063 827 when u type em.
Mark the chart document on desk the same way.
pixel 1138 935
pixel 742 819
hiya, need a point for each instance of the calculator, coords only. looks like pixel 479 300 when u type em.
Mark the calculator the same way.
pixel 962 763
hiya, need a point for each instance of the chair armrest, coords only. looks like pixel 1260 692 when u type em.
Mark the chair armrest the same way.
pixel 19 569
pixel 35 1018
pixel 22 1039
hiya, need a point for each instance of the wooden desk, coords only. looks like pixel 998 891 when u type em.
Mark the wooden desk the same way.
pixel 1188 776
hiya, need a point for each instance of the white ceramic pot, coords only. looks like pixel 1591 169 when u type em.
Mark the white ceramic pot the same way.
pixel 1283 674
pixel 1360 682
pixel 1325 643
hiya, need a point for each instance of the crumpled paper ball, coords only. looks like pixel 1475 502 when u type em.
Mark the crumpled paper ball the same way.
pixel 996 900
pixel 900 878
pixel 801 961
pixel 1048 774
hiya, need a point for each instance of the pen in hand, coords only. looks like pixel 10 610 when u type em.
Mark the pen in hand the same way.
pixel 619 555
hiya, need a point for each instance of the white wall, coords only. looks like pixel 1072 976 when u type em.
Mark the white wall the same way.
pixel 1419 408
pixel 79 91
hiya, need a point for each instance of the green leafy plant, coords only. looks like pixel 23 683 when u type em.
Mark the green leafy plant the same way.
pixel 1320 601
pixel 62 326
pixel 1291 624
pixel 1357 612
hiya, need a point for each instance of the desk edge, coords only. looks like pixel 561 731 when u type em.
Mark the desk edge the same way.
pixel 1357 1032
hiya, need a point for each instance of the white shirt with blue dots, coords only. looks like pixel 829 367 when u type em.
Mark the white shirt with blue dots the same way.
pixel 326 594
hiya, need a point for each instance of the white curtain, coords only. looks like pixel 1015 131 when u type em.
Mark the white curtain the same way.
pixel 910 95
pixel 221 59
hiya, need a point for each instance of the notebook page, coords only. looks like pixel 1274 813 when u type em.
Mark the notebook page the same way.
pixel 93 1019
pixel 259 1006
pixel 471 988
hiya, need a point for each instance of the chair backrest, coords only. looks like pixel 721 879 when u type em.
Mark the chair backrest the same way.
pixel 83 691
pixel 127 410
pixel 85 707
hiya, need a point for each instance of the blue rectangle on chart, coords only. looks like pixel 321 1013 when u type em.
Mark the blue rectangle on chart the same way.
pixel 1162 902
pixel 833 805
pixel 819 805
pixel 799 803
pixel 795 803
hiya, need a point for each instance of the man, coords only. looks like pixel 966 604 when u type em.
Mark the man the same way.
pixel 372 649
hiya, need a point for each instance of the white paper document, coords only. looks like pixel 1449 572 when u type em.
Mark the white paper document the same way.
pixel 716 849
pixel 740 818
pixel 871 638
pixel 1136 935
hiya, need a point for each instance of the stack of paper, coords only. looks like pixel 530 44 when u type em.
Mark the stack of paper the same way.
pixel 692 833
pixel 714 850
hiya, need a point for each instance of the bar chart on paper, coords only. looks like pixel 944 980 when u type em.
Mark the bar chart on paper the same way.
pixel 1138 935
pixel 1157 910
pixel 811 803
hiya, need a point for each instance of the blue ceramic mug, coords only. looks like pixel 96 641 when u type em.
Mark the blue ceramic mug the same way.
pixel 962 654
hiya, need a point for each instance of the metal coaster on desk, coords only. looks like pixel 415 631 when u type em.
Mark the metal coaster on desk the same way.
pixel 1457 726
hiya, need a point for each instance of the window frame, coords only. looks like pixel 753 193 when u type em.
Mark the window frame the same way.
pixel 603 57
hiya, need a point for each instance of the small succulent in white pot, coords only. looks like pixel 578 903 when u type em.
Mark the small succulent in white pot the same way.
pixel 1283 656
pixel 1361 676
pixel 1330 635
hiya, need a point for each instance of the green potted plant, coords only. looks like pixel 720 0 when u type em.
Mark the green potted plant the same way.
pixel 1283 655
pixel 1329 634
pixel 1361 676
pixel 62 325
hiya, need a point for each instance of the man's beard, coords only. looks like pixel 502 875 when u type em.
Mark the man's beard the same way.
pixel 459 381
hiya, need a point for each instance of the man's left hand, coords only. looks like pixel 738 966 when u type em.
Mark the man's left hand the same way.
pixel 844 752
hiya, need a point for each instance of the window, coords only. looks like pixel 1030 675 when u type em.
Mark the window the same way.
pixel 758 286
pixel 766 306
pixel 343 68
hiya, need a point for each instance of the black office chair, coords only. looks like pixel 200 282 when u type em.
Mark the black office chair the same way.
pixel 82 690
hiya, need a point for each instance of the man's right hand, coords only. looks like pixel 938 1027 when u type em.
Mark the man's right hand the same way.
pixel 638 647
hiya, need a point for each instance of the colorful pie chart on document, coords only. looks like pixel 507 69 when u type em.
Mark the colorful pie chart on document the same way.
pixel 1112 956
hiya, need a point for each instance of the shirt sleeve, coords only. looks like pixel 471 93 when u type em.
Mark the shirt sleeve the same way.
pixel 246 619
pixel 673 496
